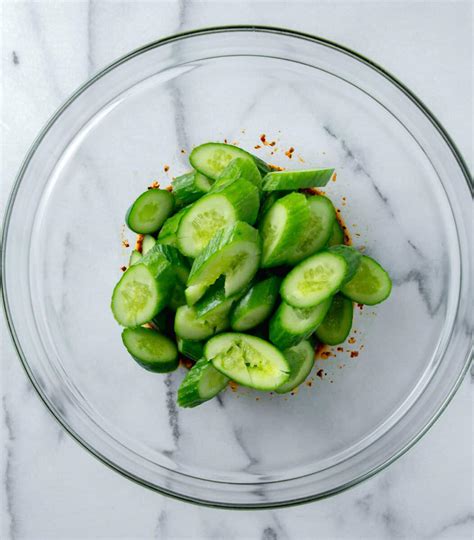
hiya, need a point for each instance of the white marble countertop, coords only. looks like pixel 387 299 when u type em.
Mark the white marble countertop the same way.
pixel 50 487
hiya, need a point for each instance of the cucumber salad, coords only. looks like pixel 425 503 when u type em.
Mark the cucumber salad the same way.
pixel 238 266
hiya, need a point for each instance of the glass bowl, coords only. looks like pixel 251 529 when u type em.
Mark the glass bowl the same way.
pixel 407 197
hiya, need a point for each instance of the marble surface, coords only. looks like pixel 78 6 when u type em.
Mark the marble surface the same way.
pixel 51 488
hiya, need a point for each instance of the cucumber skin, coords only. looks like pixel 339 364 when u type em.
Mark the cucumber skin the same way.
pixel 361 300
pixel 130 210
pixel 247 208
pixel 290 384
pixel 262 166
pixel 169 230
pixel 293 180
pixel 337 235
pixel 193 350
pixel 240 168
pixel 154 367
pixel 239 232
pixel 215 299
pixel 347 307
pixel 186 190
pixel 352 258
pixel 188 392
pixel 263 292
pixel 298 212
pixel 214 325
pixel 284 338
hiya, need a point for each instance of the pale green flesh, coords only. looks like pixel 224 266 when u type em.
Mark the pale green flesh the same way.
pixel 252 318
pixel 299 320
pixel 189 326
pixel 248 360
pixel 237 262
pixel 148 345
pixel 272 231
pixel 314 280
pixel 135 297
pixel 149 211
pixel 211 382
pixel 208 216
pixel 370 285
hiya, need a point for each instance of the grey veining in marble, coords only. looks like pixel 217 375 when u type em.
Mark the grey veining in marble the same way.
pixel 50 487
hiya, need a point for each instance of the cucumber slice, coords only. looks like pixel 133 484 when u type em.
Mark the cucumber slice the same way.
pixel 256 305
pixel 337 235
pixel 135 256
pixel 292 180
pixel 149 211
pixel 240 167
pixel 211 159
pixel 153 351
pixel 301 361
pixel 169 232
pixel 315 233
pixel 281 226
pixel 215 300
pixel 191 349
pixel 315 279
pixel 190 187
pixel 188 325
pixel 234 252
pixel 148 242
pixel 248 360
pixel 338 322
pixel 370 285
pixel 291 325
pixel 143 290
pixel 202 383
pixel 238 201
pixel 268 199
pixel 352 258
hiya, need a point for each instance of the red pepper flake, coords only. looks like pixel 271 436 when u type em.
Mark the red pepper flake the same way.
pixel 154 185
pixel 320 373
pixel 272 143
pixel 351 340
pixel 257 147
pixel 354 354
pixel 233 386
pixel 334 176
pixel 183 151
pixel 257 399
pixel 225 140
pixel 292 393
pixel 169 188
pixel 309 383
pixel 263 138
pixel 326 354
pixel 166 168
pixel 289 152
pixel 123 268
pixel 360 306
pixel 125 243
pixel 139 243
pixel 186 362
pixel 276 167
pixel 340 349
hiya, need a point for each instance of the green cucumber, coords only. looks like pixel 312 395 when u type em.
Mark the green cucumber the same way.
pixel 190 187
pixel 188 325
pixel 193 350
pixel 238 201
pixel 337 235
pixel 164 322
pixel 338 322
pixel 318 277
pixel 135 256
pixel 301 361
pixel 149 211
pixel 153 351
pixel 268 199
pixel 352 258
pixel 292 180
pixel 143 290
pixel 281 226
pixel 215 300
pixel 256 305
pixel 289 326
pixel 315 233
pixel 211 159
pixel 234 252
pixel 370 285
pixel 240 167
pixel 148 242
pixel 169 231
pixel 202 383
pixel 248 360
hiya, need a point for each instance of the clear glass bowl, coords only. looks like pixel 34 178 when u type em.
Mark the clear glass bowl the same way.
pixel 408 195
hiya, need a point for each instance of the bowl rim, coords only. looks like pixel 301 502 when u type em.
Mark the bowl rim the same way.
pixel 43 132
